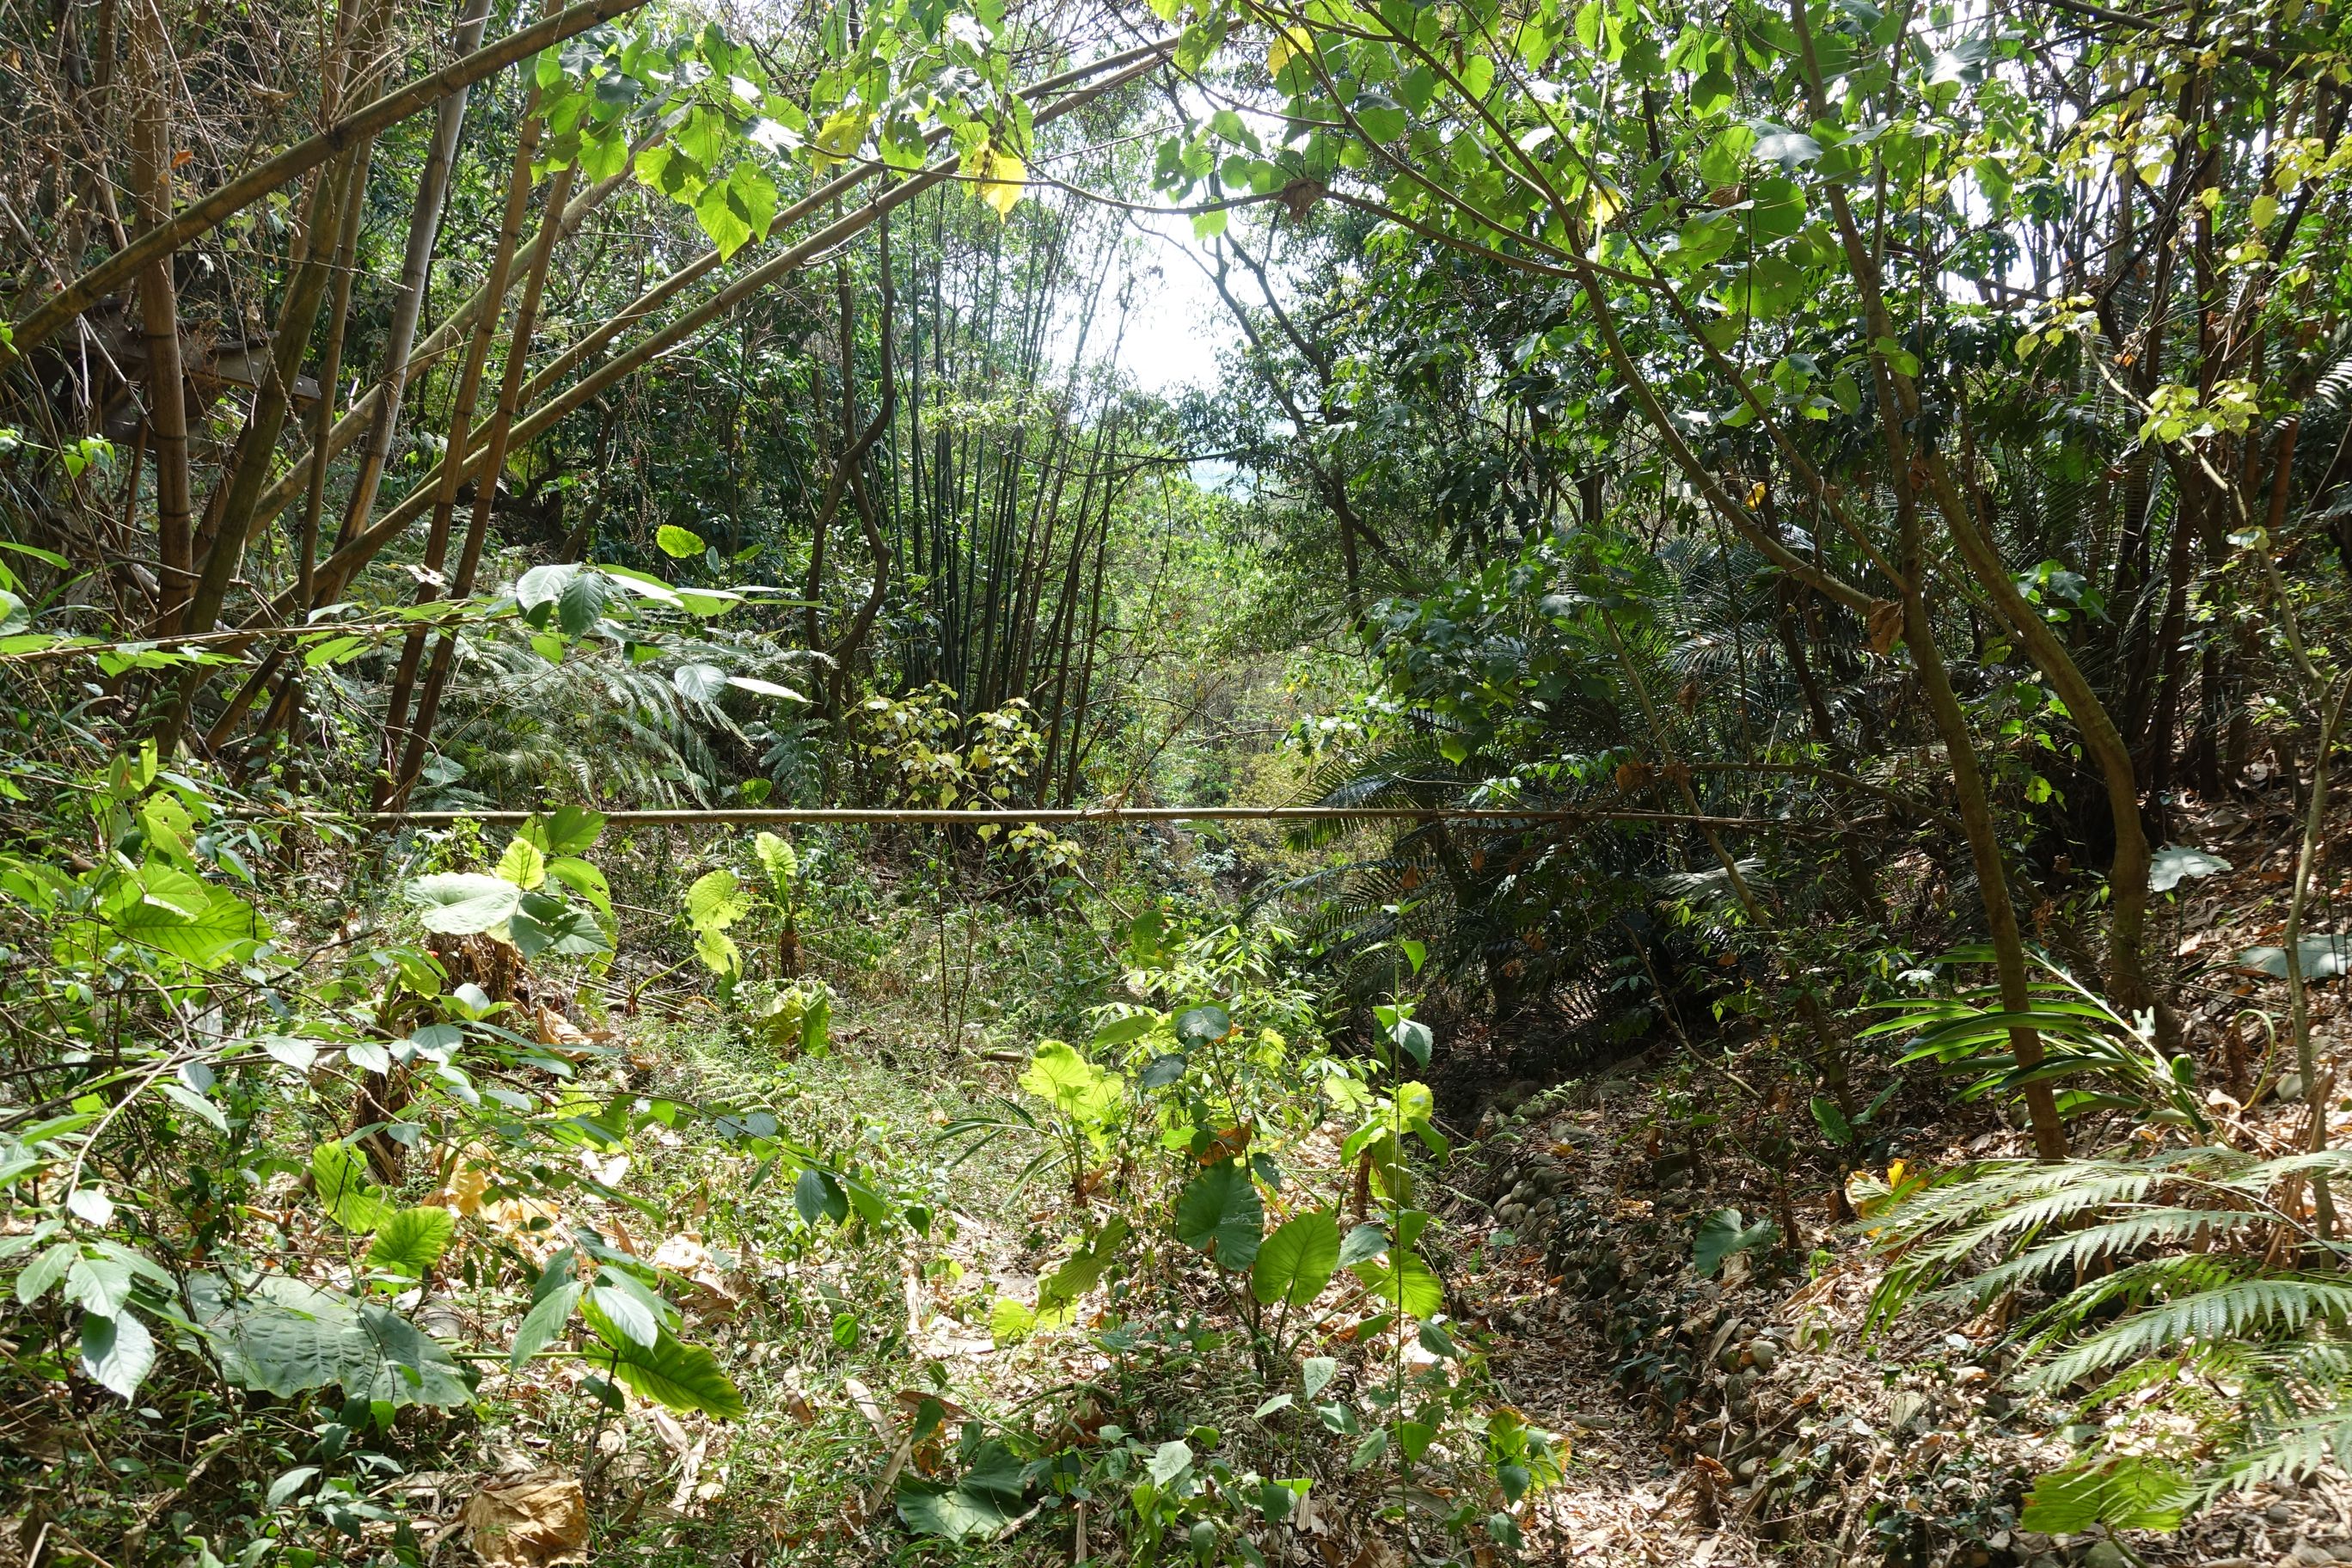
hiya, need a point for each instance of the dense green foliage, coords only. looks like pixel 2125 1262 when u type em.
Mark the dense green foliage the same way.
pixel 1864 482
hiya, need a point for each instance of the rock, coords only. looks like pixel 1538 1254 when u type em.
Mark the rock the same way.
pixel 1728 1358
pixel 2290 1088
pixel 2106 1554
pixel 2311 1553
pixel 1765 1354
pixel 2279 1514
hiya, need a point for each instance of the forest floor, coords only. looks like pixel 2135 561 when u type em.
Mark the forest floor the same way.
pixel 1726 1420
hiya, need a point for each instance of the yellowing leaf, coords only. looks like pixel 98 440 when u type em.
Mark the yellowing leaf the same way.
pixel 1287 45
pixel 840 136
pixel 1002 176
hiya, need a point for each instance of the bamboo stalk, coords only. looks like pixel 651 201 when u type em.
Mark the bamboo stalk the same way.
pixel 765 816
pixel 204 216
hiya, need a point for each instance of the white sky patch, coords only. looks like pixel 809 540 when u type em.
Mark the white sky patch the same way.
pixel 1176 325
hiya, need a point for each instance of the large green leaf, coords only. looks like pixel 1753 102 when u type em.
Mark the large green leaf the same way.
pixel 667 1371
pixel 778 858
pixel 541 923
pixel 1086 1094
pixel 117 1352
pixel 1221 1214
pixel 716 900
pixel 1084 1269
pixel 704 683
pixel 569 830
pixel 2321 957
pixel 461 903
pixel 2168 864
pixel 411 1241
pixel 545 1320
pixel 1723 1233
pixel 284 1336
pixel 167 910
pixel 1298 1260
pixel 986 1499
pixel 583 602
pixel 339 1176
pixel 1401 1278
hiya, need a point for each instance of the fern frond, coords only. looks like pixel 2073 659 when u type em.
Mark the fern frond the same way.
pixel 2235 1310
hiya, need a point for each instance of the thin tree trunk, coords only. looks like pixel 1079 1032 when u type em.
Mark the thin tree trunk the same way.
pixel 486 486
pixel 455 465
pixel 230 516
pixel 159 309
pixel 408 302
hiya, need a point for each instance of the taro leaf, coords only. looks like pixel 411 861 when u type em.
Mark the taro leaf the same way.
pixel 571 830
pixel 1199 1026
pixel 716 900
pixel 462 903
pixel 1220 1213
pixel 981 1503
pixel 1163 1070
pixel 117 1352
pixel 1084 1269
pixel 1298 1260
pixel 778 858
pixel 996 1472
pixel 1724 1232
pixel 338 1175
pixel 2322 957
pixel 544 924
pixel 412 1241
pixel 1404 1279
pixel 1366 1241
pixel 1316 1373
pixel 286 1336
pixel 2174 861
pixel 679 543
pixel 1833 1124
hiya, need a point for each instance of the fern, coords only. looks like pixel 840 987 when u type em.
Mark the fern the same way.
pixel 2167 1293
